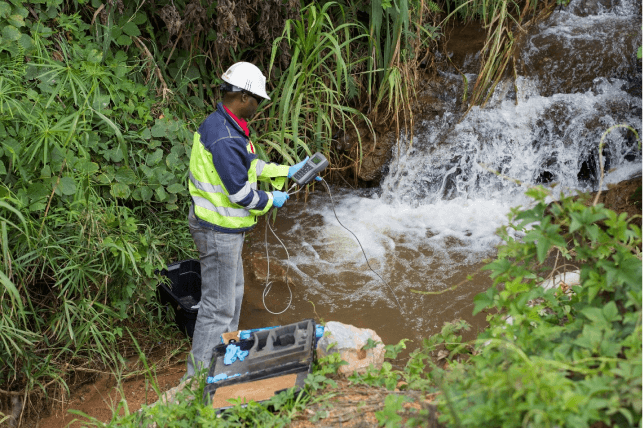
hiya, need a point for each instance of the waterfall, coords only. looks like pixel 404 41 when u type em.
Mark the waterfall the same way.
pixel 432 220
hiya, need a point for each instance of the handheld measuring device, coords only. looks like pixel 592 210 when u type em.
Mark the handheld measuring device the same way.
pixel 311 169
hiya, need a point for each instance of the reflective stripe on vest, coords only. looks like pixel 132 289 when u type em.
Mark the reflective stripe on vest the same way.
pixel 222 211
pixel 212 202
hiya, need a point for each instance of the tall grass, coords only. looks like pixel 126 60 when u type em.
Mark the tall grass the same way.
pixel 500 18
pixel 313 96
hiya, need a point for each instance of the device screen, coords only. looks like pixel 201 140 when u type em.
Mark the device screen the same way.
pixel 316 160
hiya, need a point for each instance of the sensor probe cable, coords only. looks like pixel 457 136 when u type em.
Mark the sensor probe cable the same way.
pixel 268 285
pixel 360 245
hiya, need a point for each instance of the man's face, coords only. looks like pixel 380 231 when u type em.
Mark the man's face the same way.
pixel 248 106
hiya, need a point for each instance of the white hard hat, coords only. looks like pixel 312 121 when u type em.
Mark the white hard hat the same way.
pixel 247 77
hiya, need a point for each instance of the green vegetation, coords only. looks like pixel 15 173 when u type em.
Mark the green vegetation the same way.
pixel 90 195
pixel 98 103
pixel 568 357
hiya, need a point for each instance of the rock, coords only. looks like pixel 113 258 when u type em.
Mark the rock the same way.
pixel 349 342
pixel 589 7
pixel 564 281
pixel 16 410
pixel 562 55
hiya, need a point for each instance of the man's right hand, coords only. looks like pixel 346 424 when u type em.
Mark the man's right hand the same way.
pixel 279 198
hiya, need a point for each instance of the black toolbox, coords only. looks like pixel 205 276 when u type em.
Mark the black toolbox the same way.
pixel 281 356
pixel 182 293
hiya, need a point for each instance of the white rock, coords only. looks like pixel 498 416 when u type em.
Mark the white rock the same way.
pixel 568 279
pixel 565 281
pixel 349 341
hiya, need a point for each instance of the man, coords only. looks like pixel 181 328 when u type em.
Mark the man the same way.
pixel 224 170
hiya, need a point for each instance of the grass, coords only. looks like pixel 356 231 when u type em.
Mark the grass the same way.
pixel 95 146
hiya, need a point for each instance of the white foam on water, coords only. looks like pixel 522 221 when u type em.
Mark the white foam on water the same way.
pixel 410 247
pixel 439 207
pixel 496 153
pixel 437 210
pixel 623 173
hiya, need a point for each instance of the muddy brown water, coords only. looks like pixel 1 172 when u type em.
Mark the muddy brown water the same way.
pixel 352 294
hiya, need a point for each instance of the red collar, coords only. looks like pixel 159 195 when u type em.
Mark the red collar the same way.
pixel 242 123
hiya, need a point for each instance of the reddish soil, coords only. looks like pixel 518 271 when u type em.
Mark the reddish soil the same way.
pixel 101 398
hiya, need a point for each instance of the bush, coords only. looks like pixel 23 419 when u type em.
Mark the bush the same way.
pixel 89 199
pixel 568 357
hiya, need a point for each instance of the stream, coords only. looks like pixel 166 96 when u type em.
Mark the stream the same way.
pixel 432 221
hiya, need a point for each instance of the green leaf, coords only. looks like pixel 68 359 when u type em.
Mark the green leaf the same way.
pixel 124 40
pixel 146 134
pixel 120 190
pixel 94 56
pixel 172 161
pixel 149 172
pixel 610 312
pixel 67 186
pixel 628 415
pixel 131 29
pixel 19 10
pixel 389 416
pixel 5 10
pixel 542 247
pixel 86 166
pixel 154 158
pixel 25 42
pixel 146 193
pixel 175 188
pixel 483 300
pixel 595 315
pixel 139 18
pixel 16 20
pixel 159 129
pixel 11 33
pixel 160 194
pixel 119 136
pixel 126 176
pixel 163 176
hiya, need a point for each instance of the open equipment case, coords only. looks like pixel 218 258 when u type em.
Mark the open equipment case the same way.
pixel 278 359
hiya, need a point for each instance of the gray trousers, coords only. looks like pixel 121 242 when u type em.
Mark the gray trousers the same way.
pixel 221 290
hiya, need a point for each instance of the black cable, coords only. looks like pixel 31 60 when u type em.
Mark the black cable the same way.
pixel 360 245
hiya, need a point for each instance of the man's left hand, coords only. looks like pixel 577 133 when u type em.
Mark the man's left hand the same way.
pixel 293 169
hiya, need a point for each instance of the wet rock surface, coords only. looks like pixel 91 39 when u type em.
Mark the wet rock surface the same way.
pixel 567 53
pixel 351 343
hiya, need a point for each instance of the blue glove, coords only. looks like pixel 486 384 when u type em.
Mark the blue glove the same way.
pixel 241 355
pixel 319 331
pixel 279 198
pixel 230 354
pixel 293 169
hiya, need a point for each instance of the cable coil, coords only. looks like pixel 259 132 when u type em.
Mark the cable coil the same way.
pixel 268 285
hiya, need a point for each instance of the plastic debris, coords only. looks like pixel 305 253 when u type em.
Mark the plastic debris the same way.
pixel 232 353
pixel 245 334
pixel 220 376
